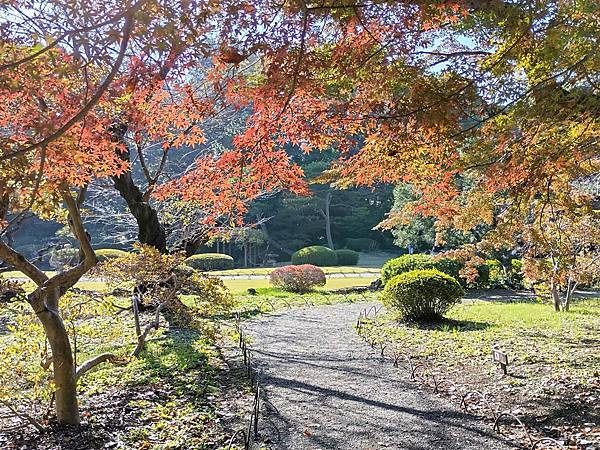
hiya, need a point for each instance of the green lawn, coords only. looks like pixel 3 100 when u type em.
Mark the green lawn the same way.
pixel 241 285
pixel 554 362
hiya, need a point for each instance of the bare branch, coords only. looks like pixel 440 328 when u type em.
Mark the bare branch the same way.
pixel 93 362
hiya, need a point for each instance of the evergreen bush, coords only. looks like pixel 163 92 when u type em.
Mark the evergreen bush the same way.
pixel 346 257
pixel 107 253
pixel 316 255
pixel 422 295
pixel 210 261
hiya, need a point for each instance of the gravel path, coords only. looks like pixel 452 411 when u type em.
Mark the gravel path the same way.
pixel 331 393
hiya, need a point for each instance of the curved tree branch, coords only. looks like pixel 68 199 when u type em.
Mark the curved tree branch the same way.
pixel 93 100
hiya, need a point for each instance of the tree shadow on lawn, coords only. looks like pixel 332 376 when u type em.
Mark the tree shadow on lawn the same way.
pixel 445 324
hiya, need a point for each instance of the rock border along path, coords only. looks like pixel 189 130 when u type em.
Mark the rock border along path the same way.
pixel 330 392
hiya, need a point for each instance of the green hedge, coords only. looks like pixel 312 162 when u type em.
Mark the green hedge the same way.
pixel 210 261
pixel 107 253
pixel 361 244
pixel 316 255
pixel 422 295
pixel 448 266
pixel 516 274
pixel 346 257
pixel 405 263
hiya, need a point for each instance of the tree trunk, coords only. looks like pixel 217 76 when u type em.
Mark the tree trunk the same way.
pixel 327 216
pixel 150 230
pixel 555 295
pixel 67 410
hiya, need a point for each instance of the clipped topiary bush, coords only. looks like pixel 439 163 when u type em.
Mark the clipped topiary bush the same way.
pixel 361 244
pixel 405 263
pixel 210 261
pixel 422 295
pixel 346 257
pixel 107 253
pixel 316 255
pixel 301 278
pixel 449 266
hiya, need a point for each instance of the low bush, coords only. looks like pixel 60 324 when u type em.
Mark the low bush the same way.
pixel 497 276
pixel 361 244
pixel 208 295
pixel 501 278
pixel 346 257
pixel 301 278
pixel 516 273
pixel 316 255
pixel 405 263
pixel 422 295
pixel 449 266
pixel 108 253
pixel 210 261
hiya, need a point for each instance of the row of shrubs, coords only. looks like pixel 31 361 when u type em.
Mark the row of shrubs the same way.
pixel 491 274
pixel 318 255
pixel 407 263
pixel 423 288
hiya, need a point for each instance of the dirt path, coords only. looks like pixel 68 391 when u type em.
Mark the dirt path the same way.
pixel 331 393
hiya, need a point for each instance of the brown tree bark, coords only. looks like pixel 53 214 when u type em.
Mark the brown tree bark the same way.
pixel 555 296
pixel 67 408
pixel 150 230
pixel 44 301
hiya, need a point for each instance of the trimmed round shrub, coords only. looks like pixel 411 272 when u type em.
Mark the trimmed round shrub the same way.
pixel 361 244
pixel 316 255
pixel 405 263
pixel 301 278
pixel 210 261
pixel 184 271
pixel 64 257
pixel 346 257
pixel 422 295
pixel 108 253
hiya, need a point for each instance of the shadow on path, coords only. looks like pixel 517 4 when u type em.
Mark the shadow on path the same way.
pixel 330 392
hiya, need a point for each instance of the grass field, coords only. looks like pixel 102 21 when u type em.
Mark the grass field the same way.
pixel 554 362
pixel 241 285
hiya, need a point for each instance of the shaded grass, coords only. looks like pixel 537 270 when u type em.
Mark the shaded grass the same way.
pixel 528 332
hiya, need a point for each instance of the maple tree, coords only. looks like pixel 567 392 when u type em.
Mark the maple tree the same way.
pixel 406 91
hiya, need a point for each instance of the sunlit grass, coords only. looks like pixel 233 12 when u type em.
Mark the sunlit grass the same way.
pixel 241 285
pixel 532 334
